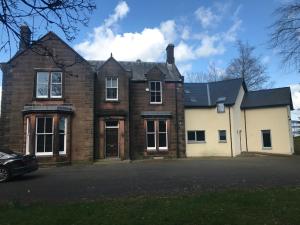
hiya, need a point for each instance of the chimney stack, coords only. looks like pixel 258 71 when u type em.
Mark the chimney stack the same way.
pixel 25 37
pixel 170 54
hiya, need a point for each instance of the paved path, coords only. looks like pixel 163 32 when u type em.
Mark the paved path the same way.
pixel 91 182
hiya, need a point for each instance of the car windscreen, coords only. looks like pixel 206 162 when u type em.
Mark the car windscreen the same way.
pixel 6 154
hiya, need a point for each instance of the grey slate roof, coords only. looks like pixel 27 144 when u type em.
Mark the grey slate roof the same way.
pixel 139 69
pixel 207 94
pixel 267 98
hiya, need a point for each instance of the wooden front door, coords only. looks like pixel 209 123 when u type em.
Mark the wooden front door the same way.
pixel 112 139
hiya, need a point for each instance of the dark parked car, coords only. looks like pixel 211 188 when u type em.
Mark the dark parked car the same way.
pixel 14 164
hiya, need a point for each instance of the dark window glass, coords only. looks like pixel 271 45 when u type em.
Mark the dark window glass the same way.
pixel 150 126
pixel 111 123
pixel 48 125
pixel 112 88
pixel 222 135
pixel 266 134
pixel 112 93
pixel 61 125
pixel 40 143
pixel 157 88
pixel 152 86
pixel 162 126
pixel 48 143
pixel 162 140
pixel 200 135
pixel 61 142
pixel 151 140
pixel 40 125
pixel 191 136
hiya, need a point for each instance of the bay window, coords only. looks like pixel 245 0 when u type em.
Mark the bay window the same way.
pixel 44 136
pixel 62 126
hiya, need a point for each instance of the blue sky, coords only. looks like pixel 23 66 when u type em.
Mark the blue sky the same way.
pixel 203 32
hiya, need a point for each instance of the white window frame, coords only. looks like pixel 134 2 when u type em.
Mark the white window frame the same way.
pixel 165 132
pixel 37 84
pixel 262 139
pixel 27 145
pixel 195 140
pixel 44 134
pixel 111 86
pixel 155 91
pixel 153 133
pixel 51 84
pixel 64 152
pixel 222 141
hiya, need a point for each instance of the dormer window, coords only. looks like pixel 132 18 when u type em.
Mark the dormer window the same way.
pixel 155 92
pixel 111 89
pixel 220 107
pixel 49 85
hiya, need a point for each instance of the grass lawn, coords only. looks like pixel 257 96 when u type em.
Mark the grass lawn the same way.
pixel 268 206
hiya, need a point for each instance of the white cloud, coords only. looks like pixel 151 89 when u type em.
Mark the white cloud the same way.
pixel 206 17
pixel 149 44
pixel 185 68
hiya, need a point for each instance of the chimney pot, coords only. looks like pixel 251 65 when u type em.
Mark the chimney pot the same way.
pixel 170 54
pixel 25 37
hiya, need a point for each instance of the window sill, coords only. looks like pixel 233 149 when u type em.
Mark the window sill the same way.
pixel 156 103
pixel 222 141
pixel 267 148
pixel 48 99
pixel 44 155
pixel 196 142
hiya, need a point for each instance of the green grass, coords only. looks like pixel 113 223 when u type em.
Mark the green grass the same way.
pixel 297 145
pixel 269 206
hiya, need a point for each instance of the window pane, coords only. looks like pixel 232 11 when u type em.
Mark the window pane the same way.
pixel 40 143
pixel 157 86
pixel 40 125
pixel 42 77
pixel 150 126
pixel 222 135
pixel 266 139
pixel 56 90
pixel 150 140
pixel 42 90
pixel 163 140
pixel 111 93
pixel 162 126
pixel 221 107
pixel 114 82
pixel 200 135
pixel 62 125
pixel 111 123
pixel 152 97
pixel 152 86
pixel 48 143
pixel 61 142
pixel 191 136
pixel 56 77
pixel 158 97
pixel 48 125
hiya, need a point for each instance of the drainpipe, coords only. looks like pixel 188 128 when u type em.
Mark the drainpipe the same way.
pixel 230 133
pixel 246 130
pixel 177 126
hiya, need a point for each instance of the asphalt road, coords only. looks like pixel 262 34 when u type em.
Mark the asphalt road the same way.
pixel 153 177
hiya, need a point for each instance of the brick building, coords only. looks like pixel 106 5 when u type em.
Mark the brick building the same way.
pixel 63 108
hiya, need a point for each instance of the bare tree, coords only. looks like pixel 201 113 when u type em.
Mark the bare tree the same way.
pixel 195 77
pixel 285 33
pixel 248 67
pixel 63 14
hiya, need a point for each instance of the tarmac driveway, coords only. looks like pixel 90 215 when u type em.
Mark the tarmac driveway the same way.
pixel 154 177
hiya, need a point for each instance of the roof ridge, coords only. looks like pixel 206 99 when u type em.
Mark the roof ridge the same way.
pixel 219 81
pixel 270 89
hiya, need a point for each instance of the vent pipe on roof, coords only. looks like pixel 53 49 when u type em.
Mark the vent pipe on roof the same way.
pixel 208 94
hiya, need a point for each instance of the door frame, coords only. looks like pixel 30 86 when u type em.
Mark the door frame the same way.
pixel 111 127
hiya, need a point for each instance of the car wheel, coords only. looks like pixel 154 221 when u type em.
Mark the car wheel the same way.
pixel 4 174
